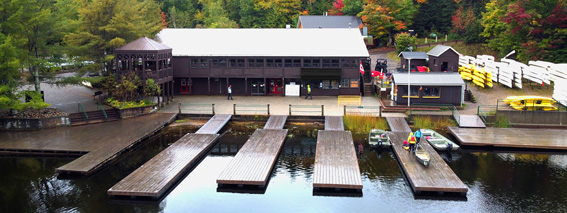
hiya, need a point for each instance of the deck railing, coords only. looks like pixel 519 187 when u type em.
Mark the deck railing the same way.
pixel 188 108
pixel 306 110
pixel 82 109
pixel 102 109
pixel 251 109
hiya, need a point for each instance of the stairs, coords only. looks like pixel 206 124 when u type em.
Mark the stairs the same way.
pixel 368 90
pixel 79 118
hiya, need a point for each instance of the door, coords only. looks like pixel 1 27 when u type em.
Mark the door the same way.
pixel 276 86
pixel 185 86
pixel 257 87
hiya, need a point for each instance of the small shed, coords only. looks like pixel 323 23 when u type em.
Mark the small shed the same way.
pixel 430 88
pixel 413 58
pixel 443 59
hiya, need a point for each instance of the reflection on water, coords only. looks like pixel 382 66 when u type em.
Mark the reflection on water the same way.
pixel 498 182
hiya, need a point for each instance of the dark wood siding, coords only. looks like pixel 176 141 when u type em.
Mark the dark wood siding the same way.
pixel 414 62
pixel 447 95
pixel 448 56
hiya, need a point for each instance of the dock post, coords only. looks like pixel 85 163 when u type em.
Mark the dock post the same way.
pixel 234 109
pixel 344 110
pixel 179 107
pixel 322 110
pixel 213 109
pixel 290 109
pixel 380 111
pixel 268 109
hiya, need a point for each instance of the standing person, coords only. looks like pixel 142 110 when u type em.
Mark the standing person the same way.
pixel 309 92
pixel 360 149
pixel 229 93
pixel 418 136
pixel 411 140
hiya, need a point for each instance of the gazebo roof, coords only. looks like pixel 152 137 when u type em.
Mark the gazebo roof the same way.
pixel 144 44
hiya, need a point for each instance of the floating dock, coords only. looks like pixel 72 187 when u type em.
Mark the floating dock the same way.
pixel 398 124
pixel 97 144
pixel 471 121
pixel 336 165
pixel 157 175
pixel 553 139
pixel 438 177
pixel 334 123
pixel 255 160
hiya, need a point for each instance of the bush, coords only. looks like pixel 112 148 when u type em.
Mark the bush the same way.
pixel 502 122
pixel 404 41
pixel 128 104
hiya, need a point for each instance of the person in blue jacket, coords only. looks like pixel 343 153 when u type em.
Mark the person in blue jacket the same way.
pixel 417 135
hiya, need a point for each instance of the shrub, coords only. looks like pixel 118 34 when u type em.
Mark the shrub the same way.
pixel 128 104
pixel 502 122
pixel 404 41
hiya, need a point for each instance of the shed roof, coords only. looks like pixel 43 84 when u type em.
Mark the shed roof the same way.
pixel 265 42
pixel 429 79
pixel 144 43
pixel 329 21
pixel 413 55
pixel 440 49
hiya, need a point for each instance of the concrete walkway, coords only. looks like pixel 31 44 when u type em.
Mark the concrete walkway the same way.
pixel 279 105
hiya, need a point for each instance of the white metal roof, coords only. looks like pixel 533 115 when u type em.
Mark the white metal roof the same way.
pixel 440 49
pixel 429 79
pixel 265 42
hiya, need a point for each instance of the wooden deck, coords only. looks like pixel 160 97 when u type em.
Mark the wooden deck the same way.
pixel 471 121
pixel 276 122
pixel 398 124
pixel 511 137
pixel 102 142
pixel 214 125
pixel 334 123
pixel 438 177
pixel 336 165
pixel 157 175
pixel 253 164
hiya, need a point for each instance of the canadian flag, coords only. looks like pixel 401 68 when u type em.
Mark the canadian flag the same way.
pixel 361 68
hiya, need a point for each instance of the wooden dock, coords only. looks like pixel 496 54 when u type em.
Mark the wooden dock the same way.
pixel 157 175
pixel 336 165
pixel 102 143
pixel 334 123
pixel 254 162
pixel 276 122
pixel 471 121
pixel 214 125
pixel 438 177
pixel 398 124
pixel 553 139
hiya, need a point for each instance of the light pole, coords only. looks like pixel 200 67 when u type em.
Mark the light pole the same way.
pixel 409 70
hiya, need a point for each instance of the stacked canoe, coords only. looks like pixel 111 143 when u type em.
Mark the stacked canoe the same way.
pixel 478 75
pixel 531 103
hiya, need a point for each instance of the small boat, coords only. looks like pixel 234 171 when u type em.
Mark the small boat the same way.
pixel 377 138
pixel 438 141
pixel 422 156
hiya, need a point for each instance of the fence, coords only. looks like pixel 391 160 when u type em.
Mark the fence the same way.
pixel 366 110
pixel 251 109
pixel 306 110
pixel 196 108
pixel 528 116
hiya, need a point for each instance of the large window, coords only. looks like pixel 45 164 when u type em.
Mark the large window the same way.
pixel 353 83
pixel 198 63
pixel 313 63
pixel 414 91
pixel 431 92
pixel 236 63
pixel 256 62
pixel 218 62
pixel 349 63
pixel 292 62
pixel 274 62
pixel 331 63
pixel 349 83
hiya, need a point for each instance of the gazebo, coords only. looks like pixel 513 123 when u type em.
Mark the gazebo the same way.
pixel 149 60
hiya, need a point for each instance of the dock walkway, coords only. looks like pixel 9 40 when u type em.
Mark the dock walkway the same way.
pixel 471 121
pixel 398 124
pixel 276 122
pixel 511 137
pixel 334 123
pixel 157 175
pixel 438 177
pixel 99 144
pixel 336 165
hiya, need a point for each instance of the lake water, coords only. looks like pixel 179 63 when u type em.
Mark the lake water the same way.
pixel 497 181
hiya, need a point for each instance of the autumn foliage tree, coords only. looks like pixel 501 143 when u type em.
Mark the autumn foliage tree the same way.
pixel 462 19
pixel 384 18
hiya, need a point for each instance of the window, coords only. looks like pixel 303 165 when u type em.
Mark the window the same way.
pixel 326 84
pixel 349 63
pixel 316 63
pixel 326 62
pixel 334 84
pixel 218 62
pixel 345 83
pixel 199 63
pixel 431 92
pixel 331 63
pixel 292 62
pixel 307 62
pixel 353 83
pixel 414 91
pixel 236 63
pixel 256 62
pixel 274 62
pixel 335 63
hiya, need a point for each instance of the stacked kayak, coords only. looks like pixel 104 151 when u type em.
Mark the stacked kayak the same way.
pixel 466 72
pixel 478 75
pixel 531 103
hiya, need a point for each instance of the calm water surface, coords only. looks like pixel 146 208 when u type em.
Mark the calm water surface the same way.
pixel 498 182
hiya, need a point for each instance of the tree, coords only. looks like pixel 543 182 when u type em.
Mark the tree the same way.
pixel 404 41
pixel 151 88
pixel 337 8
pixel 109 24
pixel 462 19
pixel 383 18
pixel 9 74
pixel 433 17
pixel 215 16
